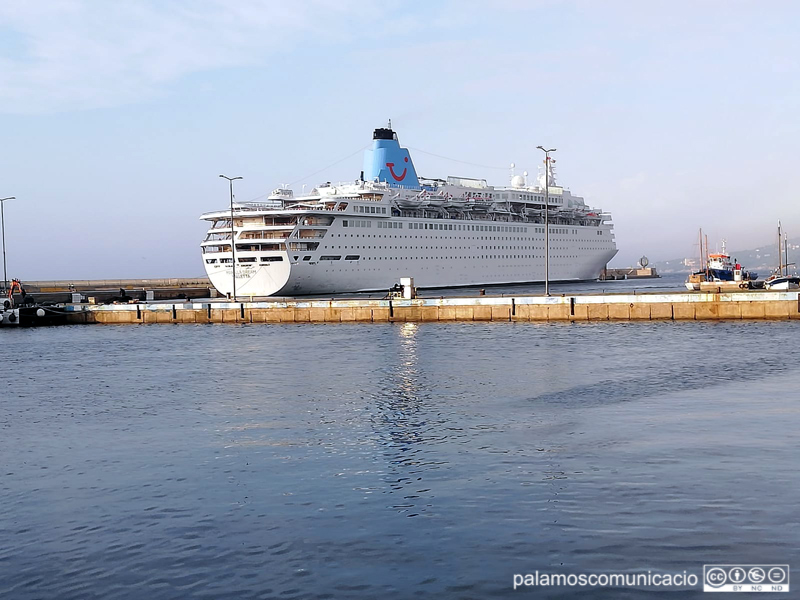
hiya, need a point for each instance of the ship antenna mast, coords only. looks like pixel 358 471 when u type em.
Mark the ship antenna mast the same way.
pixel 552 173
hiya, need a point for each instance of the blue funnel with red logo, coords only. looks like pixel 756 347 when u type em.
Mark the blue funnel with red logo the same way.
pixel 388 162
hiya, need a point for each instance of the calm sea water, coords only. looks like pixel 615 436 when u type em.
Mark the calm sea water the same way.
pixel 391 460
pixel 670 282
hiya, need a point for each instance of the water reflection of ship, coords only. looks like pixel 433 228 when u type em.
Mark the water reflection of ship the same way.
pixel 400 402
pixel 402 425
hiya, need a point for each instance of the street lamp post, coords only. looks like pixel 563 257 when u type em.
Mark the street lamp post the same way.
pixel 3 227
pixel 233 235
pixel 546 218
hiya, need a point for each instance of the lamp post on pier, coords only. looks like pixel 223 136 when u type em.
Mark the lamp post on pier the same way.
pixel 233 236
pixel 546 217
pixel 3 227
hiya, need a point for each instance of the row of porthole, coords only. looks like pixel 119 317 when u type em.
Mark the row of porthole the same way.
pixel 552 248
pixel 448 237
pixel 482 257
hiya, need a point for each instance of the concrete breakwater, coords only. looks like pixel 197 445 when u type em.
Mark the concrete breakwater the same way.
pixel 79 285
pixel 618 307
pixel 103 290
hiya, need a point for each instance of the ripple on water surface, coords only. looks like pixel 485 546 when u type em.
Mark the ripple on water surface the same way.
pixel 395 460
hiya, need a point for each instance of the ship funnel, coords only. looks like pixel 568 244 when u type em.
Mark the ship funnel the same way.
pixel 388 162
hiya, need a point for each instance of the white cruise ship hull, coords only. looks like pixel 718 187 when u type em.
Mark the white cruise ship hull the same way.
pixel 439 259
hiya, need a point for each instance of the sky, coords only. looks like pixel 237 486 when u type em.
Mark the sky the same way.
pixel 116 118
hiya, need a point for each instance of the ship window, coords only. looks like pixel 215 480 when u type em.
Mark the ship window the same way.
pixel 306 258
pixel 344 223
pixel 352 257
pixel 330 257
pixel 248 259
pixel 211 261
pixel 276 258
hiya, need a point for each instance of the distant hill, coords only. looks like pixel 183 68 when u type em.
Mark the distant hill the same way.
pixel 762 260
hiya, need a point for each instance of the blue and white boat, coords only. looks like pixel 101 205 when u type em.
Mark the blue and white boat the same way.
pixel 721 269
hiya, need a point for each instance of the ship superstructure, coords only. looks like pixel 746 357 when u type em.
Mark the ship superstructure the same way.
pixel 365 235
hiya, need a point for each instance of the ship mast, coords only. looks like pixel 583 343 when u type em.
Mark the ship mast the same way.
pixel 701 247
pixel 786 252
pixel 780 251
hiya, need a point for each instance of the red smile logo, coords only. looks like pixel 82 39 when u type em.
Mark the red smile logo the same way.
pixel 402 175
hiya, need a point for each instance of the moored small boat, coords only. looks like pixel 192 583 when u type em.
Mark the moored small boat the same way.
pixel 782 283
pixel 780 280
pixel 720 271
pixel 27 312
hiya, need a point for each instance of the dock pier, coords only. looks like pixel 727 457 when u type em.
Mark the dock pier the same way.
pixel 579 307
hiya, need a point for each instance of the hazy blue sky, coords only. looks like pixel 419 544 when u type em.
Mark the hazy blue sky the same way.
pixel 117 117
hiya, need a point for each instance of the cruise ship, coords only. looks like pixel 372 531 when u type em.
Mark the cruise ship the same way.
pixel 364 235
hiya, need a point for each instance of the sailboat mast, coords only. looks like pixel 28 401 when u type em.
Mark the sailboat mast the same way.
pixel 702 262
pixel 786 252
pixel 780 251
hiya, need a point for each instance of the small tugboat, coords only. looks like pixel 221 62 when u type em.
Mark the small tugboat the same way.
pixel 27 312
pixel 720 271
pixel 780 280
